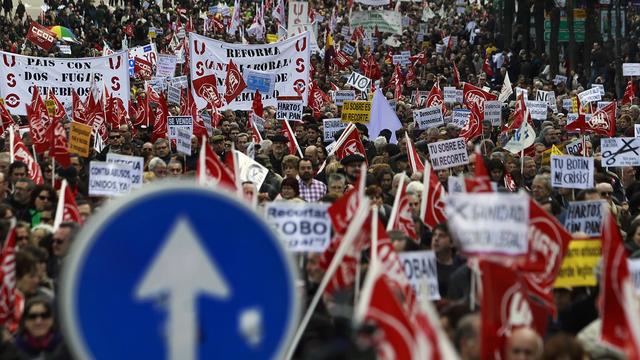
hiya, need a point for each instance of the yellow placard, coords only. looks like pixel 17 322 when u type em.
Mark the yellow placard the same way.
pixel 579 264
pixel 272 38
pixel 79 139
pixel 356 111
pixel 51 106
pixel 1 101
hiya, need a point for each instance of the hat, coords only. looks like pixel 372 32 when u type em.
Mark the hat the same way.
pixel 217 138
pixel 279 139
pixel 352 158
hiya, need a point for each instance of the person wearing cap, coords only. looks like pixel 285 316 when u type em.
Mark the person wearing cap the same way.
pixel 352 164
pixel 278 150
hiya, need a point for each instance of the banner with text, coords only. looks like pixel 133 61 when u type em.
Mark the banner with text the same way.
pixel 448 153
pixel 428 117
pixel 574 172
pixel 305 227
pixel 107 179
pixel 385 21
pixel 579 264
pixel 134 163
pixel 585 216
pixel 620 151
pixel 422 273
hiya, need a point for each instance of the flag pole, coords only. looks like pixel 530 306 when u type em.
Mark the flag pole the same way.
pixel 426 177
pixel 356 226
pixel 53 172
pixel 396 204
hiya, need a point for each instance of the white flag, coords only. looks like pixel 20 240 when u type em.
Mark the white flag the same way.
pixel 506 90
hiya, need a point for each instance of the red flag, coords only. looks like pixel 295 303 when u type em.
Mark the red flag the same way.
pixel 342 210
pixel 139 113
pixel 349 143
pixel 59 149
pixel 358 33
pixel 417 166
pixel 39 122
pixel 317 99
pixel 215 172
pixel 629 93
pixel 481 182
pixel 79 111
pixel 475 97
pixel 432 205
pixel 160 119
pixel 486 67
pixel 369 67
pixel 115 112
pixel 518 115
pixel 505 307
pixel 617 303
pixel 8 313
pixel 234 82
pixel 206 88
pixel 403 219
pixel 67 205
pixel 142 69
pixel 294 148
pixel 97 119
pixel 548 244
pixel 21 153
pixel 473 128
pixel 456 75
pixel 435 98
pixel 59 113
pixel 256 105
pixel 601 122
pixel 41 36
pixel 419 58
pixel 411 75
pixel 5 115
pixel 341 60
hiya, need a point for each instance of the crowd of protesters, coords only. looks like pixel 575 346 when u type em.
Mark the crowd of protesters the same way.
pixel 573 334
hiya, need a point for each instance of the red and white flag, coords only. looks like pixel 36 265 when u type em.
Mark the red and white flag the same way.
pixel 41 36
pixel 19 152
pixel 435 98
pixel 5 115
pixel 481 181
pixel 401 217
pixel 486 67
pixel 432 205
pixel 255 131
pixel 602 122
pixel 210 171
pixel 142 69
pixel 234 82
pixel 59 149
pixel 236 21
pixel 8 299
pixel 79 113
pixel 419 58
pixel 39 122
pixel 618 304
pixel 417 166
pixel 629 93
pixel 349 143
pixel 278 13
pixel 59 113
pixel 456 75
pixel 256 104
pixel 294 148
pixel 206 88
pixel 67 209
pixel 160 119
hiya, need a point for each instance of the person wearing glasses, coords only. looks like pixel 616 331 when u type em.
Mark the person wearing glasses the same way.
pixel 38 336
pixel 42 197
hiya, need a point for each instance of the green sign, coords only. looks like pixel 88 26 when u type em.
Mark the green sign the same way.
pixel 563 33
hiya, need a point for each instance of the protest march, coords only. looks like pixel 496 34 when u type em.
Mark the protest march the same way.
pixel 449 179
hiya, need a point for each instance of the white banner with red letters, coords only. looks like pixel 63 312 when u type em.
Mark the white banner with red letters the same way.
pixel 288 59
pixel 20 74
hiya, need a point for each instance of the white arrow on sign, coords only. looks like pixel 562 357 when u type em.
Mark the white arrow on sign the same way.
pixel 182 270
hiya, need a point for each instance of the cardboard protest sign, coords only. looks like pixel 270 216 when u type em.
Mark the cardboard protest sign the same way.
pixel 589 95
pixel 537 109
pixel 356 111
pixel 173 95
pixel 634 273
pixel 450 94
pixel 574 147
pixel 585 216
pixel 286 60
pixel 448 153
pixel 460 117
pixel 176 122
pixel 166 66
pixel 579 264
pixel 382 20
pixel 631 69
pixel 493 112
pixel 107 179
pixel 332 126
pixel 359 82
pixel 340 96
pixel 420 267
pixel 305 227
pixel 134 163
pixel 620 151
pixel 489 223
pixel 549 97
pixel 574 172
pixel 428 117
pixel 62 74
pixel 289 109
pixel 636 130
pixel 80 139
pixel 183 141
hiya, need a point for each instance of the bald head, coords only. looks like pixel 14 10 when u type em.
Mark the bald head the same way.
pixel 524 344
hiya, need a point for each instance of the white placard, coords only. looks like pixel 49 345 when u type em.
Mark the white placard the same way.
pixel 402 59
pixel 634 273
pixel 493 112
pixel 575 172
pixel 636 130
pixel 173 95
pixel 373 2
pixel 147 52
pixel 166 65
pixel 251 170
pixel 428 117
pixel 359 82
pixel 631 69
pixel 537 109
pixel 180 82
pixel 332 126
pixel 567 104
pixel 62 75
pixel 549 97
pixel 585 216
pixel 289 110
pixel 177 122
pixel 107 179
pixel 134 163
pixel 340 96
pixel 559 79
pixel 448 153
pixel 600 88
pixel 183 141
pixel 589 95
pixel 574 147
pixel 65 49
pixel 460 117
pixel 421 270
pixel 305 227
pixel 522 91
pixel 623 151
pixel 455 184
pixel 287 60
pixel 385 20
pixel 298 14
pixel 602 104
pixel 489 223
pixel 449 94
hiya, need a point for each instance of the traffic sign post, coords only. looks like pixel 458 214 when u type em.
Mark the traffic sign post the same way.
pixel 177 272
